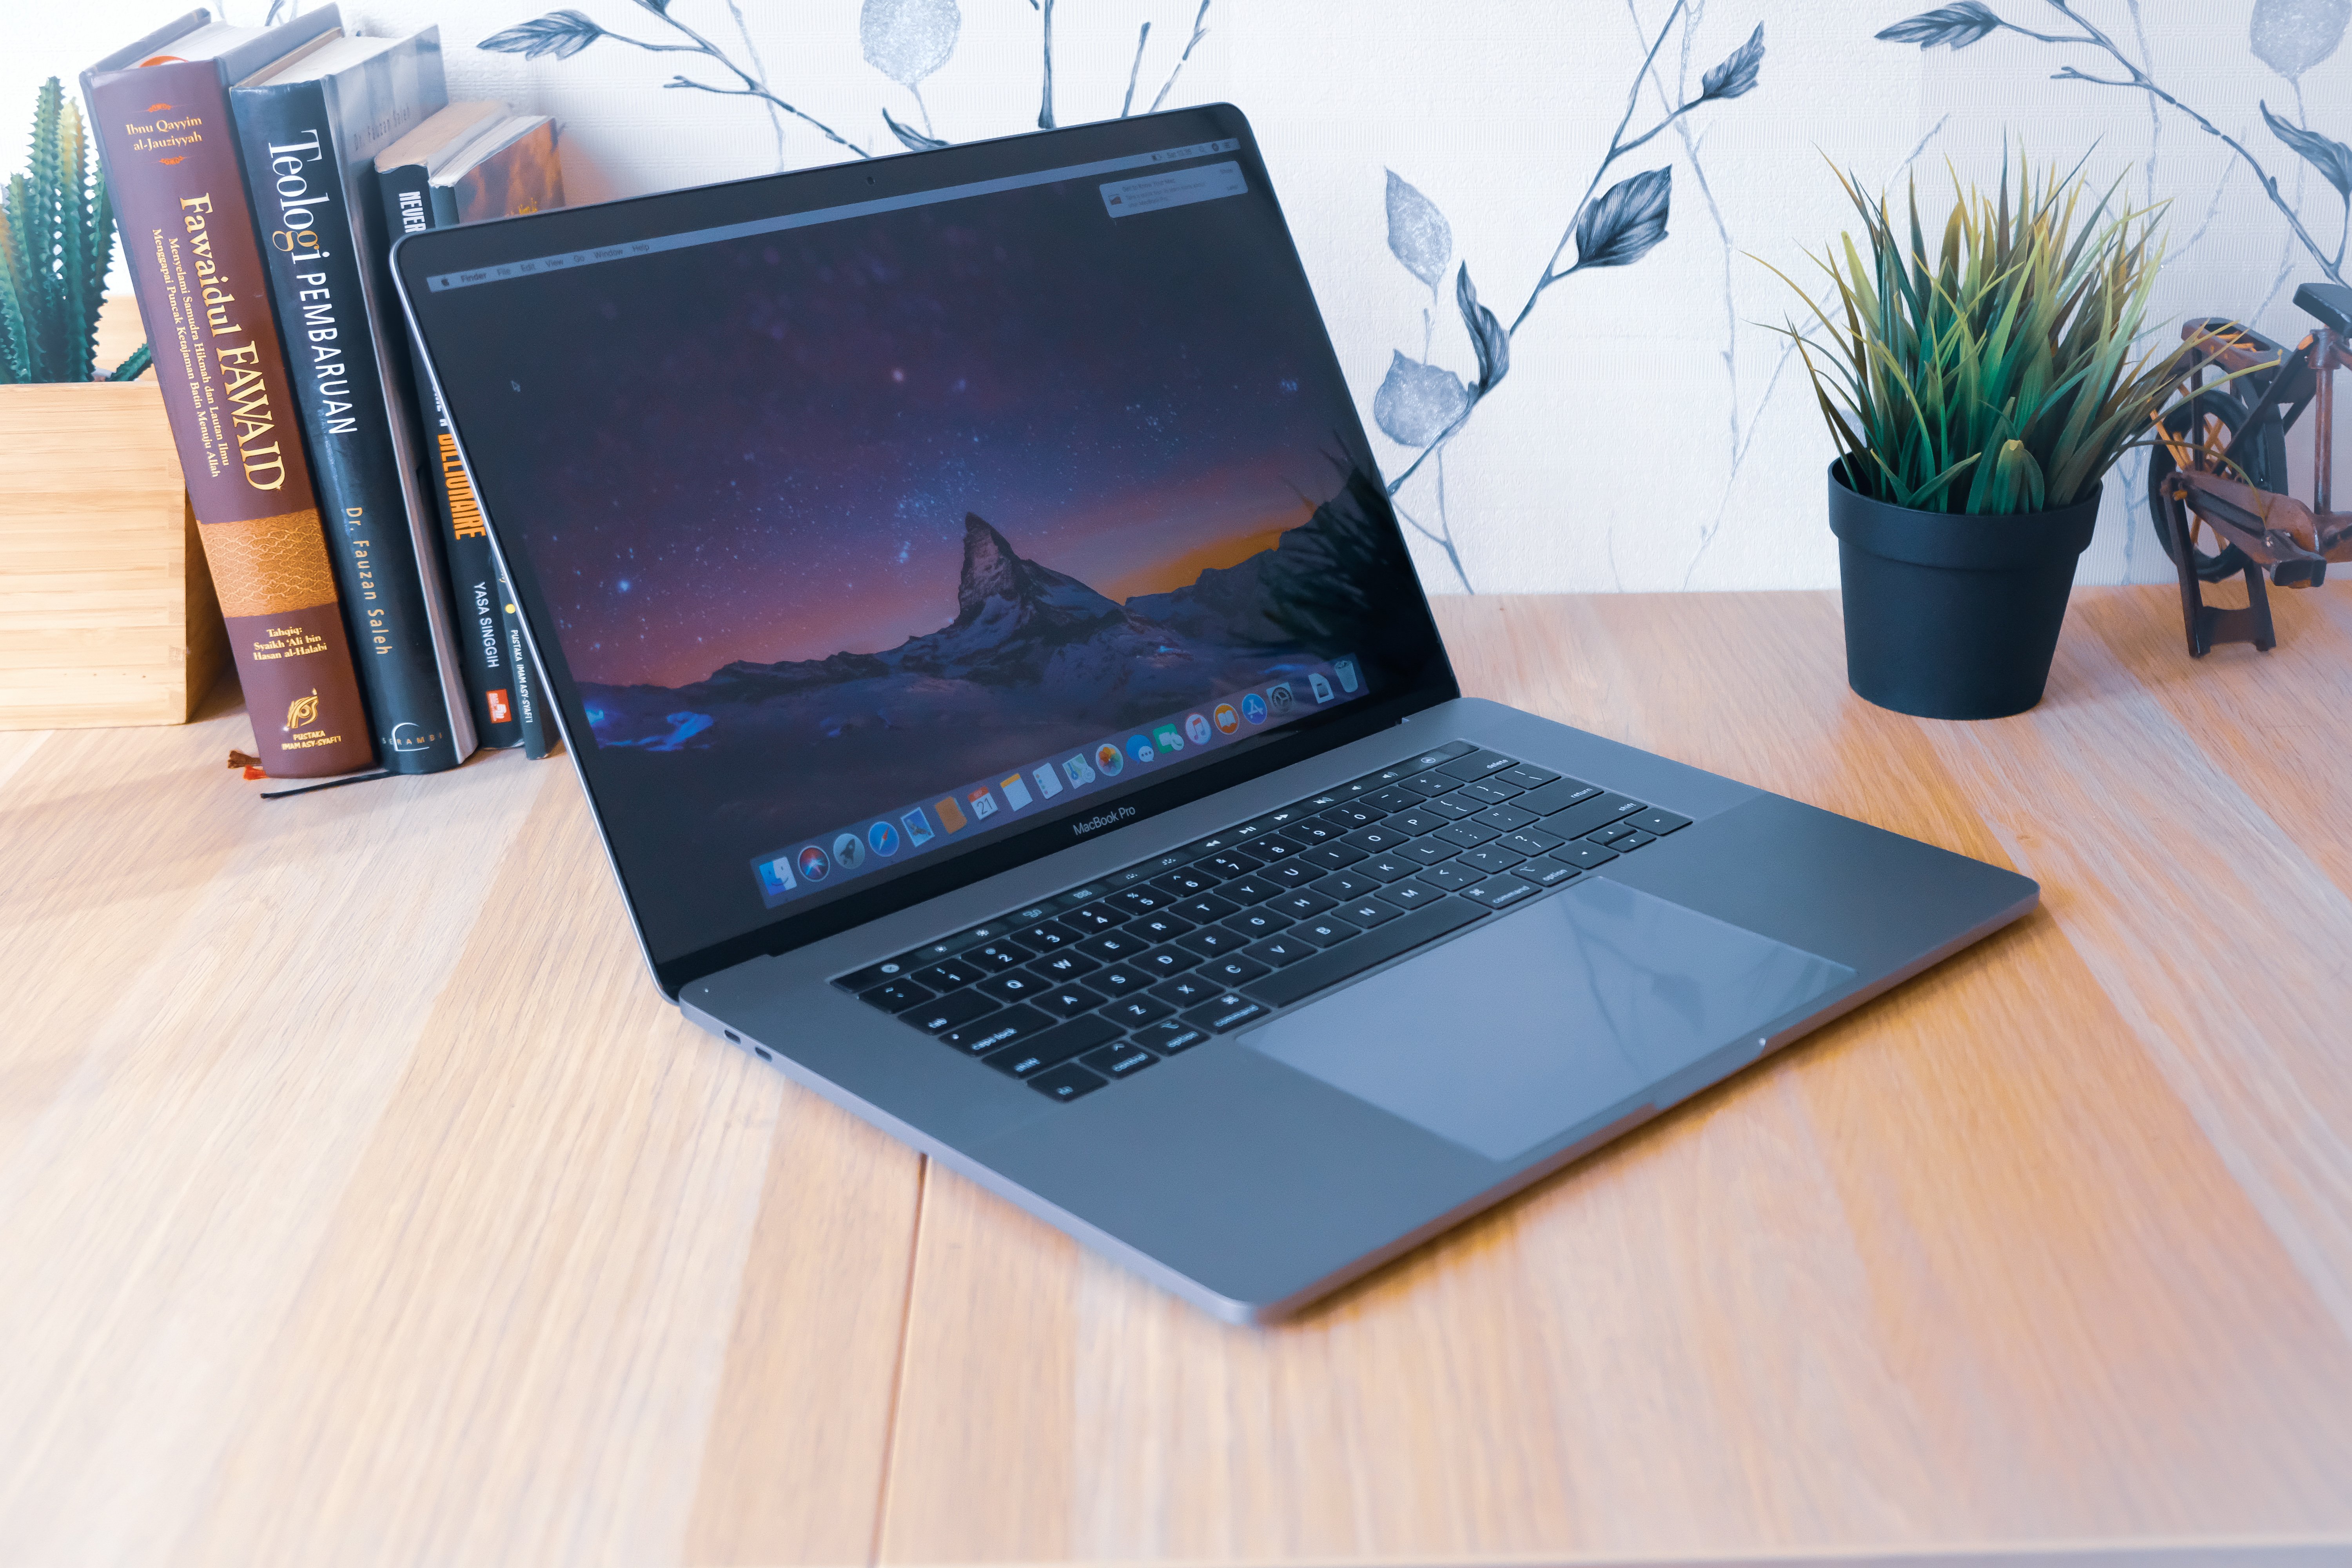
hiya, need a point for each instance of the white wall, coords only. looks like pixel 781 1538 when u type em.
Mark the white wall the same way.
pixel 1652 432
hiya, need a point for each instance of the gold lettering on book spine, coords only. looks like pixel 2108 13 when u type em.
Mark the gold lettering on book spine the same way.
pixel 269 565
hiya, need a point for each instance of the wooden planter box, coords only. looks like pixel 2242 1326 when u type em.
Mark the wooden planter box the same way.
pixel 107 614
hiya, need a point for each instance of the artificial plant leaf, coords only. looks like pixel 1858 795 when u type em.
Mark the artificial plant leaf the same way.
pixel 1627 222
pixel 562 34
pixel 1738 73
pixel 1487 334
pixel 2292 36
pixel 1954 27
pixel 907 41
pixel 909 137
pixel 1419 236
pixel 2330 157
pixel 1417 403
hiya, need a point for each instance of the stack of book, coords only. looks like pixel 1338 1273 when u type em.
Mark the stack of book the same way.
pixel 260 177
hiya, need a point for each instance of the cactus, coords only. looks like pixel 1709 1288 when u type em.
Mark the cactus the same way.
pixel 56 236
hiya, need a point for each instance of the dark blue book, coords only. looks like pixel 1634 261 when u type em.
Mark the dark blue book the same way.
pixel 309 132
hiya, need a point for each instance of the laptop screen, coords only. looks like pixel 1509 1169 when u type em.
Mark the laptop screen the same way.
pixel 869 532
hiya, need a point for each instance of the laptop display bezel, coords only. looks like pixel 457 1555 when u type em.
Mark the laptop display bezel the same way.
pixel 585 228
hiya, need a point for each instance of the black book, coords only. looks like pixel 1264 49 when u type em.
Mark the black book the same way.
pixel 468 163
pixel 310 131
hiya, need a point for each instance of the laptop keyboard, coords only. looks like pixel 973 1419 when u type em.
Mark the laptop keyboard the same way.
pixel 1099 982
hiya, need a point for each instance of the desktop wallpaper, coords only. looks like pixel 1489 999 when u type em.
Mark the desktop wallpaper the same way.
pixel 829 518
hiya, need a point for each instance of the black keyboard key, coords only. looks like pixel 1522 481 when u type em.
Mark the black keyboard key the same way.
pixel 1031 915
pixel 996 957
pixel 1632 842
pixel 1139 1009
pixel 949 975
pixel 1048 936
pixel 1353 816
pixel 1095 918
pixel 1375 840
pixel 1313 831
pixel 1367 913
pixel 1229 1011
pixel 1526 775
pixel 1086 895
pixel 1505 818
pixel 1489 859
pixel 1545 872
pixel 997 1030
pixel 1410 895
pixel 1121 980
pixel 1328 968
pixel 1323 931
pixel 1064 1001
pixel 1118 1061
pixel 1466 835
pixel 895 995
pixel 1427 851
pixel 875 974
pixel 1530 841
pixel 1060 966
pixel 1276 951
pixel 1274 849
pixel 1584 856
pixel 1115 946
pixel 1184 884
pixel 1232 969
pixel 1170 1036
pixel 1419 820
pixel 1052 1047
pixel 1145 898
pixel 1185 991
pixel 1018 986
pixel 948 1012
pixel 1386 868
pixel 1436 755
pixel 1497 892
pixel 1263 921
pixel 1251 889
pixel 1449 877
pixel 1341 885
pixel 1233 863
pixel 1491 793
pixel 1430 784
pixel 1334 857
pixel 1450 809
pixel 1305 902
pixel 1288 874
pixel 1158 927
pixel 1393 799
pixel 1068 1083
pixel 1314 805
pixel 1287 818
pixel 1558 795
pixel 1206 909
pixel 1599 812
pixel 1165 960
pixel 1478 764
pixel 1609 835
pixel 1210 940
pixel 1657 822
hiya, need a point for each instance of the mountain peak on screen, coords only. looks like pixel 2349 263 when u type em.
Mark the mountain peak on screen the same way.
pixel 992 570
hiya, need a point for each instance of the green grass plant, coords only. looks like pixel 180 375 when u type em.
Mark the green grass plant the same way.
pixel 1994 375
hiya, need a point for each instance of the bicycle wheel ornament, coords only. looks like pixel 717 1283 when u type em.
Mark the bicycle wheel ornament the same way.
pixel 2196 435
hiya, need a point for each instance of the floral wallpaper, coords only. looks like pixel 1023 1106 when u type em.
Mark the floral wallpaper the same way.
pixel 1538 228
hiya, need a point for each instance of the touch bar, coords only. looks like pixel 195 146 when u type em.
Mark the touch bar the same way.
pixel 505 271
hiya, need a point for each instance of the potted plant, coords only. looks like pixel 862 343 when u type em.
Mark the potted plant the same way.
pixel 1978 394
pixel 107 614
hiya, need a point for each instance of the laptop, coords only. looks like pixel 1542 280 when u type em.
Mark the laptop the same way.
pixel 979 623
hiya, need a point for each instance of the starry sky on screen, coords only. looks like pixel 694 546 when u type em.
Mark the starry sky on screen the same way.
pixel 764 449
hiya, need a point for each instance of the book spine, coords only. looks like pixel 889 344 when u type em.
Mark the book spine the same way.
pixel 474 596
pixel 539 731
pixel 164 135
pixel 316 251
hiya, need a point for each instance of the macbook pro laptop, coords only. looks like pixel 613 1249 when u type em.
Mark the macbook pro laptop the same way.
pixel 979 625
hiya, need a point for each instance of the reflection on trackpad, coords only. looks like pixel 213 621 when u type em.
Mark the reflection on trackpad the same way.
pixel 1537 1021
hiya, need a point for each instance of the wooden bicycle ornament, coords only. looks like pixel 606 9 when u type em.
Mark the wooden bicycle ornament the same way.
pixel 2220 464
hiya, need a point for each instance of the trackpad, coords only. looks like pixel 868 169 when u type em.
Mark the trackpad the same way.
pixel 1541 1019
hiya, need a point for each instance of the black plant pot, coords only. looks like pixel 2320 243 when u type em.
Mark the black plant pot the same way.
pixel 1950 616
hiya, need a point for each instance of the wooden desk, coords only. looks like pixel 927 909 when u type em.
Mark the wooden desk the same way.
pixel 361 1201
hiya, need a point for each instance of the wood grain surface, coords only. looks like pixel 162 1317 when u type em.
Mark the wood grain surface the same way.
pixel 360 1201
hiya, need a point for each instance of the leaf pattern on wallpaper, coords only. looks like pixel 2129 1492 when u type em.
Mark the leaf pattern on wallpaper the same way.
pixel 1417 402
pixel 562 34
pixel 2330 157
pixel 2292 36
pixel 1953 26
pixel 1627 223
pixel 1738 73
pixel 1492 344
pixel 1419 236
pixel 907 41
pixel 909 137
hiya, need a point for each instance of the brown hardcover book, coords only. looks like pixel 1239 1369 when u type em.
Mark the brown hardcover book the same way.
pixel 161 111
